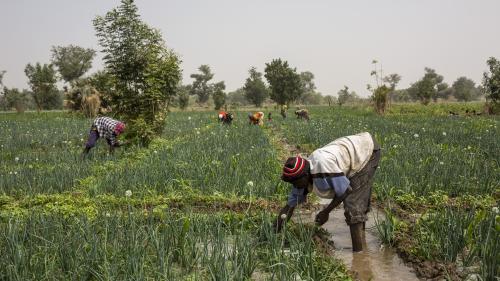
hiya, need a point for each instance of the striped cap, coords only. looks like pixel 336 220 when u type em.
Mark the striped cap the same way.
pixel 295 168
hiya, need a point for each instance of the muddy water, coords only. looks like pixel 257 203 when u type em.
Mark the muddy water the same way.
pixel 375 262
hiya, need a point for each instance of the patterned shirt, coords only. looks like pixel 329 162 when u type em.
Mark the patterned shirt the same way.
pixel 106 128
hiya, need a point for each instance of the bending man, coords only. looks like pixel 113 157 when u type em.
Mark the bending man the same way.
pixel 104 127
pixel 343 171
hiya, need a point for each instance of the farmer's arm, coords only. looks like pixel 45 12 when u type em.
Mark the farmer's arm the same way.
pixel 297 196
pixel 113 142
pixel 341 186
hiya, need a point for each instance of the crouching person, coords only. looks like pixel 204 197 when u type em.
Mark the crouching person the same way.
pixel 343 171
pixel 256 118
pixel 226 117
pixel 104 127
pixel 302 114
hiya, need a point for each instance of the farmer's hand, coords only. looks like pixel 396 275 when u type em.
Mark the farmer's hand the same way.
pixel 284 215
pixel 322 217
pixel 278 224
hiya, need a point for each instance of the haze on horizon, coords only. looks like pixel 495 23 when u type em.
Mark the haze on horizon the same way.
pixel 335 40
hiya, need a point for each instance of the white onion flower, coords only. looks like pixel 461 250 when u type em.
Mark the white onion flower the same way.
pixel 128 193
pixel 415 135
pixel 283 216
pixel 250 183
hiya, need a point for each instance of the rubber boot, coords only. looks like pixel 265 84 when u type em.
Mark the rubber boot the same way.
pixel 357 237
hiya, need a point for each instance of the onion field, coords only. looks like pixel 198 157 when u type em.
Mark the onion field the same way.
pixel 199 202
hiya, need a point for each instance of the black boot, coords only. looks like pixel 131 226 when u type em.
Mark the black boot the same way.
pixel 357 237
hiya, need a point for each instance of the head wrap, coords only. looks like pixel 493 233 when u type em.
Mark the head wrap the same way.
pixel 119 128
pixel 295 168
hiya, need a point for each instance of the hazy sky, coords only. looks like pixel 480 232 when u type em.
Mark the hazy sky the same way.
pixel 335 40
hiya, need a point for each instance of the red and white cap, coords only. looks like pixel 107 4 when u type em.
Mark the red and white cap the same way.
pixel 294 168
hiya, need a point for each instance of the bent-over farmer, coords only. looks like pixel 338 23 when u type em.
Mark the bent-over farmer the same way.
pixel 302 114
pixel 105 127
pixel 256 118
pixel 343 171
pixel 225 117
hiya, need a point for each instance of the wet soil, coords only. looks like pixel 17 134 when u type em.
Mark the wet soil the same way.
pixel 376 262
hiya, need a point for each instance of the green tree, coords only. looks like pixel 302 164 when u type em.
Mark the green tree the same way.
pixel 444 91
pixel 1 79
pixel 330 100
pixel 307 79
pixel 380 98
pixel 104 83
pixel 464 89
pixel 426 89
pixel 491 85
pixel 42 80
pixel 344 96
pixel 402 95
pixel 309 96
pixel 145 73
pixel 255 90
pixel 312 98
pixel 183 96
pixel 218 95
pixel 393 80
pixel 381 94
pixel 201 88
pixel 17 99
pixel 72 61
pixel 285 84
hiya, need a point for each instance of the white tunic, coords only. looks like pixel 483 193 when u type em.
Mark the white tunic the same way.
pixel 347 155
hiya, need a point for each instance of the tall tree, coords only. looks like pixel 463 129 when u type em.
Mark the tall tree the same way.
pixel 491 85
pixel 201 88
pixel 284 82
pixel 218 95
pixel 393 80
pixel 381 93
pixel 255 90
pixel 444 91
pixel 3 103
pixel 464 89
pixel 42 80
pixel 145 73
pixel 309 95
pixel 2 72
pixel 426 88
pixel 17 99
pixel 307 79
pixel 183 96
pixel 345 95
pixel 72 61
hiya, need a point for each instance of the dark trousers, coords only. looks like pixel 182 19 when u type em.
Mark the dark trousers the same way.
pixel 92 139
pixel 357 204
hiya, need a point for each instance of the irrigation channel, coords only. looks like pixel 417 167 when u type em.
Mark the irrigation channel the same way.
pixel 375 262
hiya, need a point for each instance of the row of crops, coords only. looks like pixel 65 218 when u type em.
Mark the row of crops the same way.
pixel 166 247
pixel 198 204
pixel 439 181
